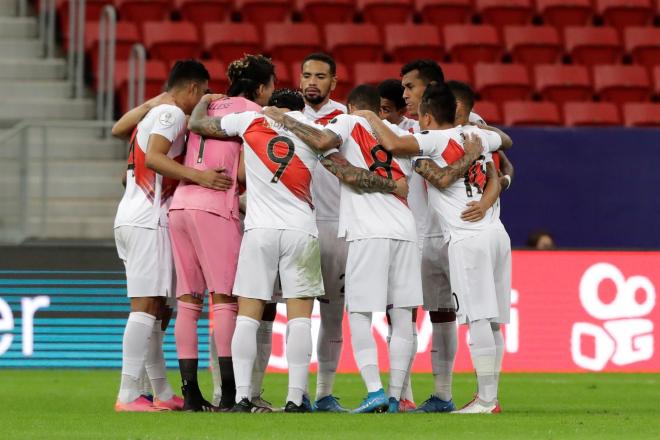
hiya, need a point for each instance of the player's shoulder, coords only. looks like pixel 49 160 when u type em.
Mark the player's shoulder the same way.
pixel 475 118
pixel 233 104
pixel 396 129
pixel 163 116
pixel 334 105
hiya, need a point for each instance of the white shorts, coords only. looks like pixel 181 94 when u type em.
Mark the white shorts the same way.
pixel 435 275
pixel 265 252
pixel 480 268
pixel 382 272
pixel 334 252
pixel 147 256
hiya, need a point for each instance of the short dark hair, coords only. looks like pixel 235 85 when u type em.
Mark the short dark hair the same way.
pixel 185 71
pixel 324 58
pixel 287 98
pixel 393 90
pixel 365 97
pixel 247 74
pixel 535 236
pixel 439 101
pixel 462 92
pixel 429 70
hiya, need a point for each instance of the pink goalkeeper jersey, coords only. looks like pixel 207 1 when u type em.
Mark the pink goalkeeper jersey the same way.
pixel 202 154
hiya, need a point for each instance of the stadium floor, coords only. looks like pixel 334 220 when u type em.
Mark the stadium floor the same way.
pixel 54 404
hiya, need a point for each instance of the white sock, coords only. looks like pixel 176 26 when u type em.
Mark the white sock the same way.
pixel 215 370
pixel 499 353
pixel 443 354
pixel 407 392
pixel 298 356
pixel 244 352
pixel 155 365
pixel 483 352
pixel 400 349
pixel 264 348
pixel 134 351
pixel 328 347
pixel 364 349
pixel 143 383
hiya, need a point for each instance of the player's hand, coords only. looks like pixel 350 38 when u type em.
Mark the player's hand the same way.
pixel 473 146
pixel 475 212
pixel 214 179
pixel 401 188
pixel 274 113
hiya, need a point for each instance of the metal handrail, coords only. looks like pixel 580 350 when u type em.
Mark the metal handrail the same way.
pixel 105 96
pixel 139 56
pixel 22 8
pixel 76 53
pixel 46 26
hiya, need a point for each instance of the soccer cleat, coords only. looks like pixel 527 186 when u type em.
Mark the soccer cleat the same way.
pixel 478 406
pixel 435 404
pixel 149 397
pixel 291 407
pixel 141 404
pixel 306 403
pixel 374 402
pixel 406 405
pixel 174 404
pixel 194 401
pixel 261 402
pixel 393 406
pixel 328 404
pixel 245 406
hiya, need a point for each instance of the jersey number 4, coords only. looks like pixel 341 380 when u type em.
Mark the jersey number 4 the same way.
pixel 282 161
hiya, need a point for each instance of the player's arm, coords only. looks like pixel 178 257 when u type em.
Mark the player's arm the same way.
pixel 321 140
pixel 363 179
pixel 127 123
pixel 477 210
pixel 442 177
pixel 157 160
pixel 203 124
pixel 506 167
pixel 507 142
pixel 395 144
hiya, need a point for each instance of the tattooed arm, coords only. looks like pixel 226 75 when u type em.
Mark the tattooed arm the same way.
pixel 395 144
pixel 443 177
pixel 321 140
pixel 477 210
pixel 201 123
pixel 362 179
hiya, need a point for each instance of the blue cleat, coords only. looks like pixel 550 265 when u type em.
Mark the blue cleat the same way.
pixel 328 404
pixel 393 406
pixel 374 402
pixel 306 403
pixel 435 405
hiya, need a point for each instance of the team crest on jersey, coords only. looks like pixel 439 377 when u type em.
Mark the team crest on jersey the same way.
pixel 333 121
pixel 425 132
pixel 166 119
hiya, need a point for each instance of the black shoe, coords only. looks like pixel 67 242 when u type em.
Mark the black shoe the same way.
pixel 245 406
pixel 291 407
pixel 193 399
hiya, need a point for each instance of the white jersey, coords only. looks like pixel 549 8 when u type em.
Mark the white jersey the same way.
pixel 446 147
pixel 371 215
pixel 476 118
pixel 409 125
pixel 148 195
pixel 279 169
pixel 325 188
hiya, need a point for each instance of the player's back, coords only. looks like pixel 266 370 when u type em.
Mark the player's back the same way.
pixel 206 153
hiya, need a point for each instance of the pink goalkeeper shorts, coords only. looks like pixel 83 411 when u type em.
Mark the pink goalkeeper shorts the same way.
pixel 205 249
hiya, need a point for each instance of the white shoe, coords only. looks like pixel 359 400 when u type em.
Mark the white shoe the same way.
pixel 258 401
pixel 478 406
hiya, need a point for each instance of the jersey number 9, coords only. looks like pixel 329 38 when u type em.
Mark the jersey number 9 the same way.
pixel 284 160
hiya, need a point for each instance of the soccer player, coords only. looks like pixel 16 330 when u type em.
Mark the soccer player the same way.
pixel 206 235
pixel 479 249
pixel 141 233
pixel 392 105
pixel 317 81
pixel 280 236
pixel 383 261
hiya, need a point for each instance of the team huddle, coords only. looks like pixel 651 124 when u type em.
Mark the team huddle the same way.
pixel 260 196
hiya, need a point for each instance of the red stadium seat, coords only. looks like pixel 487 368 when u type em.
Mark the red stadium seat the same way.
pixel 170 41
pixel 641 114
pixel 93 10
pixel 558 83
pixel 593 45
pixel 283 75
pixel 621 13
pixel 289 42
pixel 622 83
pixel 219 83
pixel 656 81
pixel 259 12
pixel 126 36
pixel 204 11
pixel 471 44
pixel 229 41
pixel 643 44
pixel 442 12
pixel 382 12
pixel 502 12
pixel 562 13
pixel 344 84
pixel 351 43
pixel 407 42
pixel 533 44
pixel 374 73
pixel 591 114
pixel 531 113
pixel 456 72
pixel 323 11
pixel 489 111
pixel 141 11
pixel 155 72
pixel 502 82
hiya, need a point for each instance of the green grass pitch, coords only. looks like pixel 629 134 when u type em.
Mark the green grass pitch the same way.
pixel 66 404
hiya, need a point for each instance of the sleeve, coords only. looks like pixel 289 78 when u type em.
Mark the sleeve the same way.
pixel 493 140
pixel 341 126
pixel 327 153
pixel 234 123
pixel 170 122
pixel 475 118
pixel 427 144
